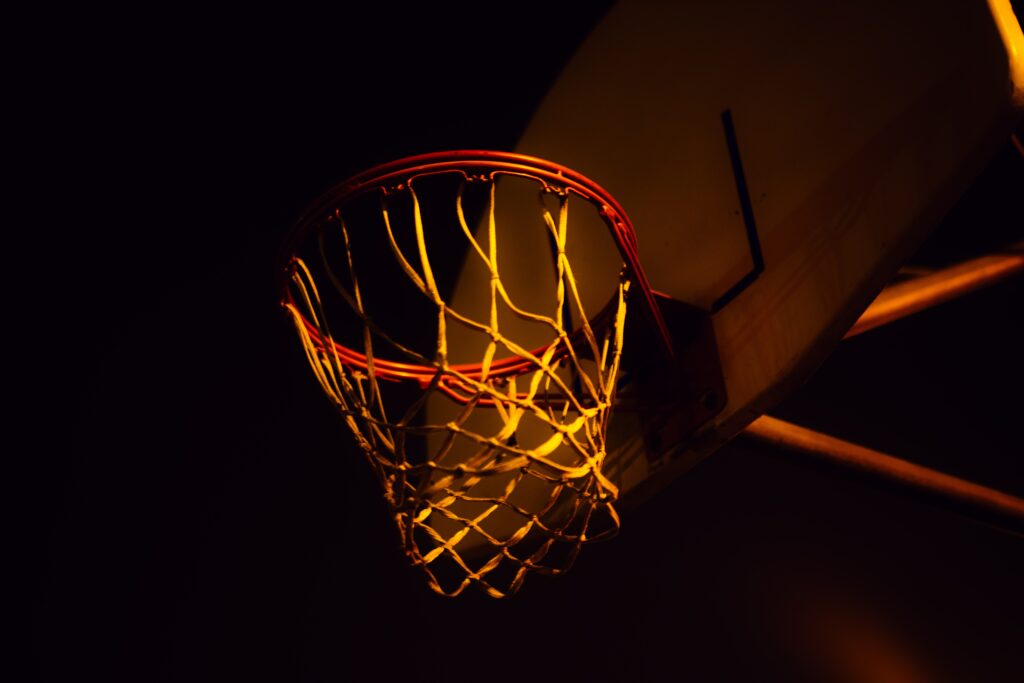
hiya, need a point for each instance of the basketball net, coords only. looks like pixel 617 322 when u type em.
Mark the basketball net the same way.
pixel 473 505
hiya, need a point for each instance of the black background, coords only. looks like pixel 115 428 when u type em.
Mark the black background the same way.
pixel 196 511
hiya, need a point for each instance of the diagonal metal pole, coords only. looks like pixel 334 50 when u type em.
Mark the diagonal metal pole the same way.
pixel 906 298
pixel 972 499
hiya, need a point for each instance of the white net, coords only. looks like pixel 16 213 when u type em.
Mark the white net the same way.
pixel 510 481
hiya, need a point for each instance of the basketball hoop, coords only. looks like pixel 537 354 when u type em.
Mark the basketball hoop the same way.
pixel 473 504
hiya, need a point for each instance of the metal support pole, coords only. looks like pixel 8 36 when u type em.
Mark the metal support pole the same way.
pixel 903 299
pixel 970 498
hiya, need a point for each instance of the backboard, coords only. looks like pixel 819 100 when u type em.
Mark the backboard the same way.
pixel 778 165
pixel 779 162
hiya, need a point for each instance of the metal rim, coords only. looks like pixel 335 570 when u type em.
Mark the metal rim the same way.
pixel 399 173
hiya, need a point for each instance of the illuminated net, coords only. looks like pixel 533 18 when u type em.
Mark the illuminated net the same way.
pixel 509 480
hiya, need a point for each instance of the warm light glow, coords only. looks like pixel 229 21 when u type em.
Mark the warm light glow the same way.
pixel 1008 24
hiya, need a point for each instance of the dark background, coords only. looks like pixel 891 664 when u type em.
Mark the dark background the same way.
pixel 196 511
